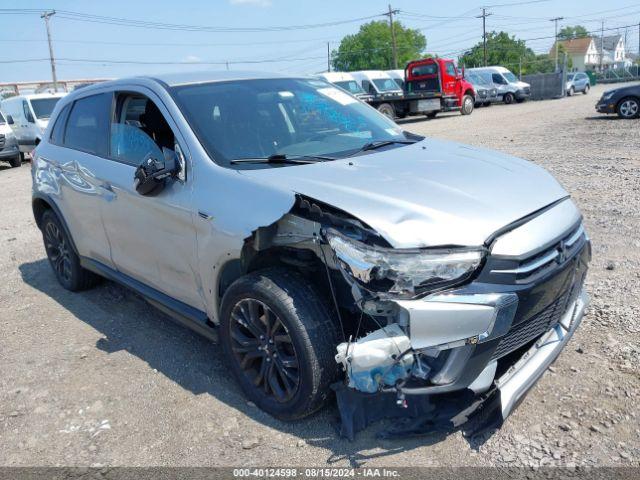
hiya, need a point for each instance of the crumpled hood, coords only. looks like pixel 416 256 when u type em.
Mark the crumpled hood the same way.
pixel 427 194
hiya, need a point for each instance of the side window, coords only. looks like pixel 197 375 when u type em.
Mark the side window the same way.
pixel 497 78
pixel 27 111
pixel 139 130
pixel 451 69
pixel 88 125
pixel 57 132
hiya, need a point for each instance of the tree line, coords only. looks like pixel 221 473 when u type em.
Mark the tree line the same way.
pixel 371 49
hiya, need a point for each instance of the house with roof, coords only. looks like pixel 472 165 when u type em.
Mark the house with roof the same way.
pixel 594 53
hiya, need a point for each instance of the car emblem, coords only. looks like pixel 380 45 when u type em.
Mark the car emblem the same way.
pixel 562 253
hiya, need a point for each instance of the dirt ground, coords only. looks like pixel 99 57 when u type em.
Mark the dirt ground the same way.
pixel 101 378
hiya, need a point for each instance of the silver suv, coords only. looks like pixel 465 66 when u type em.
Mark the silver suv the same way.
pixel 321 243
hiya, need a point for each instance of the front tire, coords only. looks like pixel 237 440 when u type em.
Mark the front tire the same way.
pixel 431 115
pixel 508 98
pixel 628 108
pixel 16 161
pixel 387 110
pixel 279 338
pixel 467 105
pixel 62 257
pixel 586 89
pixel 571 92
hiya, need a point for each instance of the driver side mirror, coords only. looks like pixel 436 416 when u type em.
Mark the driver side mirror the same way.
pixel 153 174
pixel 10 120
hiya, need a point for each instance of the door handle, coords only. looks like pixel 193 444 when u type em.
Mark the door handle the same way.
pixel 205 215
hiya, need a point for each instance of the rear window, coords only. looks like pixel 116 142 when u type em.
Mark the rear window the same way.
pixel 57 133
pixel 429 69
pixel 88 125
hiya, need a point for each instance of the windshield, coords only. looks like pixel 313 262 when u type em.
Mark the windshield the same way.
pixel 42 107
pixel 570 76
pixel 350 86
pixel 511 78
pixel 385 84
pixel 292 117
pixel 476 79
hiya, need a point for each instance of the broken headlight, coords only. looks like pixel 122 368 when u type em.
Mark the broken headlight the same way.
pixel 403 272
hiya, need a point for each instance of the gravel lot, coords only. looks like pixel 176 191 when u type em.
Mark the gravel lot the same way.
pixel 101 378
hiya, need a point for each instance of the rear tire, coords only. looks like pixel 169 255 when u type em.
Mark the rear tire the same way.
pixel 508 98
pixel 387 110
pixel 467 105
pixel 16 161
pixel 431 115
pixel 628 108
pixel 279 338
pixel 62 257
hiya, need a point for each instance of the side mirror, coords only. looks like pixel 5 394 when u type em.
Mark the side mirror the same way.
pixel 10 120
pixel 152 174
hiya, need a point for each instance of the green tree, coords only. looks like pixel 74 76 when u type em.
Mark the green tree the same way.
pixel 370 48
pixel 568 32
pixel 502 49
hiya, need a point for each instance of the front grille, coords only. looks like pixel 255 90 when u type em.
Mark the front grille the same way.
pixel 542 262
pixel 1 140
pixel 527 90
pixel 531 329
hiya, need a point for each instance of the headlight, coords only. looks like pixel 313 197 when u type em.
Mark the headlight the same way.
pixel 403 272
pixel 608 95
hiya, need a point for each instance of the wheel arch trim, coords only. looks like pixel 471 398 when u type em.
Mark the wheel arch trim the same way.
pixel 41 202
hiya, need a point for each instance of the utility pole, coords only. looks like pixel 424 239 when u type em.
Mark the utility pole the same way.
pixel 47 15
pixel 601 45
pixel 484 33
pixel 556 20
pixel 328 58
pixel 394 50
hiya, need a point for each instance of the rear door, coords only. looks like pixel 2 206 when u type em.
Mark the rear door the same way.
pixel 76 152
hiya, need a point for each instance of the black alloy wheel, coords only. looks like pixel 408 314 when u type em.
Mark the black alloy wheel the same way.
pixel 264 349
pixel 58 251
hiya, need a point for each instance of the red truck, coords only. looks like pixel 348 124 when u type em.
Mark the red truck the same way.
pixel 425 87
pixel 440 86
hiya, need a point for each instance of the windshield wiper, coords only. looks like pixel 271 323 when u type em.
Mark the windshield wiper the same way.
pixel 382 143
pixel 284 159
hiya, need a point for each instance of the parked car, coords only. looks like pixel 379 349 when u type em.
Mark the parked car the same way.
pixel 287 218
pixel 346 81
pixel 28 116
pixel 624 101
pixel 9 151
pixel 577 82
pixel 486 94
pixel 509 88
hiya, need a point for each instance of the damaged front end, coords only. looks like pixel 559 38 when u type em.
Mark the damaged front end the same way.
pixel 440 336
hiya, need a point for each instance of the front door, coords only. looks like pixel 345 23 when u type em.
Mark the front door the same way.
pixel 449 79
pixel 152 238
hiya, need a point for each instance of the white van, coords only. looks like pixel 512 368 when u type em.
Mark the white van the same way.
pixel 8 146
pixel 378 83
pixel 510 89
pixel 398 77
pixel 28 116
pixel 346 81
